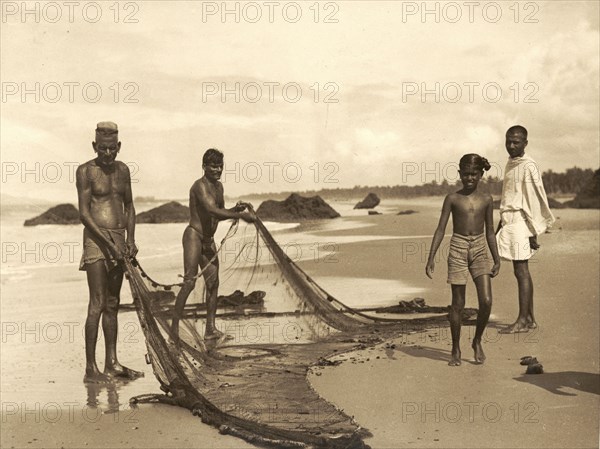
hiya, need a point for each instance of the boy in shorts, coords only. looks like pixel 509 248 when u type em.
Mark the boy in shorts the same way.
pixel 471 211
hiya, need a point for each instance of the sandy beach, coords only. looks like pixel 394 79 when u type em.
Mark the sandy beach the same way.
pixel 401 390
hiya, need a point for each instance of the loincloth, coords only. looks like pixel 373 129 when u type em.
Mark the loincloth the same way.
pixel 468 254
pixel 94 250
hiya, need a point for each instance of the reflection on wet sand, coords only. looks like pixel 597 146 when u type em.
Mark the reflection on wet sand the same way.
pixel 93 392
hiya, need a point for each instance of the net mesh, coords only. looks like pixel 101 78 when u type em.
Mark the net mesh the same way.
pixel 280 322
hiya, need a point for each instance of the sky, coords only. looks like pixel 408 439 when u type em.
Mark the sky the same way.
pixel 298 95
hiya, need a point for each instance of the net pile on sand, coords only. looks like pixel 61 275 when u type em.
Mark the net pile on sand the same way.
pixel 255 385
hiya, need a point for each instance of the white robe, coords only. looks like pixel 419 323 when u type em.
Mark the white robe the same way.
pixel 524 209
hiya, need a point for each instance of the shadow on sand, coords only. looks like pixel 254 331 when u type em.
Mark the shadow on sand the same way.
pixel 439 355
pixel 554 382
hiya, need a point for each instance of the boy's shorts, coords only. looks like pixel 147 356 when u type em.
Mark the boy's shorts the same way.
pixel 468 253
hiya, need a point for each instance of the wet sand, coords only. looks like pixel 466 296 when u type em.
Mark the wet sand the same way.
pixel 408 397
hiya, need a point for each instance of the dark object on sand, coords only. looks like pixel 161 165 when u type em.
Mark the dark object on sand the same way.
pixel 528 360
pixel 417 305
pixel 296 208
pixel 63 214
pixel 172 212
pixel 407 212
pixel 237 299
pixel 589 196
pixel 370 201
pixel 374 212
pixel 535 368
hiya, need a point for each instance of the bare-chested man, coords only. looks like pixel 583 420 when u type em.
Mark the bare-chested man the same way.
pixel 106 210
pixel 207 208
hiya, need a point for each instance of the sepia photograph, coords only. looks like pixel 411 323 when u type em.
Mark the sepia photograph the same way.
pixel 352 224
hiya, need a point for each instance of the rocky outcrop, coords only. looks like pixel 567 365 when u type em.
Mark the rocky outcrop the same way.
pixel 296 208
pixel 370 201
pixel 63 214
pixel 172 212
pixel 407 212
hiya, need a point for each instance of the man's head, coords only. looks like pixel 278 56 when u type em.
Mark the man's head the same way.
pixel 107 143
pixel 212 163
pixel 516 141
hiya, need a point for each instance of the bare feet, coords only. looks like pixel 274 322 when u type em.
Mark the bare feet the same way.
pixel 479 355
pixel 96 377
pixel 122 372
pixel 515 328
pixel 455 360
pixel 532 325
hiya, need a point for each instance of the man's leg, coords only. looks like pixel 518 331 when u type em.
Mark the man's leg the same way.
pixel 192 250
pixel 110 327
pixel 97 279
pixel 484 295
pixel 525 288
pixel 455 317
pixel 211 278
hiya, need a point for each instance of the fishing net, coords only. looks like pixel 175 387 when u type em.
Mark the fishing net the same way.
pixel 280 322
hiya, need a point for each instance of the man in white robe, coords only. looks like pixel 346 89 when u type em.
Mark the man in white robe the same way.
pixel 524 214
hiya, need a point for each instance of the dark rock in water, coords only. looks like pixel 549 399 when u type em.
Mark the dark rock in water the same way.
pixel 296 208
pixel 63 214
pixel 407 212
pixel 172 212
pixel 589 196
pixel 374 212
pixel 370 201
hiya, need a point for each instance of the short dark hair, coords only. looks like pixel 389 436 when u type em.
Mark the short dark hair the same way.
pixel 472 159
pixel 517 129
pixel 212 156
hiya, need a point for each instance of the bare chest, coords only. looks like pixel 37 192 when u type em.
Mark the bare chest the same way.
pixel 106 183
pixel 471 205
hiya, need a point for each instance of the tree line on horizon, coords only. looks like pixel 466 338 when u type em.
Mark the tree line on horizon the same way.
pixel 568 183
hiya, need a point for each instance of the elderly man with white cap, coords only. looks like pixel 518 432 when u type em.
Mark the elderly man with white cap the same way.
pixel 108 215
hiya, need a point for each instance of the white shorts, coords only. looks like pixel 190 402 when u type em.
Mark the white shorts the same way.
pixel 513 237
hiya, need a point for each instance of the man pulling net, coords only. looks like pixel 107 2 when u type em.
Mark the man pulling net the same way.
pixel 207 208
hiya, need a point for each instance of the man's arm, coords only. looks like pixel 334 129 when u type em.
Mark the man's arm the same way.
pixel 490 235
pixel 129 209
pixel 499 225
pixel 438 236
pixel 84 196
pixel 209 204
